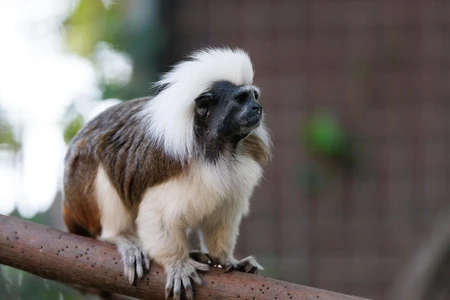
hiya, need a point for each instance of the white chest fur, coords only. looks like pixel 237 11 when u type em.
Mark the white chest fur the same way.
pixel 192 197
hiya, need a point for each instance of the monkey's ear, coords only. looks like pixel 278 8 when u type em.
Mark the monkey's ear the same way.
pixel 205 100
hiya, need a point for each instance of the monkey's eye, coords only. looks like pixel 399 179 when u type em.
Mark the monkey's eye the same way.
pixel 256 94
pixel 204 102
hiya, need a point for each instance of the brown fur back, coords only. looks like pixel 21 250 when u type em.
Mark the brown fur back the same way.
pixel 117 139
pixel 81 213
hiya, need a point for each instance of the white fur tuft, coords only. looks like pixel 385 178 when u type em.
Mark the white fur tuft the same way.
pixel 115 218
pixel 171 112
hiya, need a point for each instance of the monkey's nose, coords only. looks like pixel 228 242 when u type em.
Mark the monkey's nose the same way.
pixel 257 108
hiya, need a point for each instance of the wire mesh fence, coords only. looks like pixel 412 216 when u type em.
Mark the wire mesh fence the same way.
pixel 382 69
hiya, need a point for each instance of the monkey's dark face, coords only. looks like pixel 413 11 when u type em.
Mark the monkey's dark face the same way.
pixel 227 113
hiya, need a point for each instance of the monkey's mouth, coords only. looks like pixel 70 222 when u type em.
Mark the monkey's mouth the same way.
pixel 253 121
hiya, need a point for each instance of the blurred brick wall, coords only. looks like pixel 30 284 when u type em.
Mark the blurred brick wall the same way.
pixel 383 68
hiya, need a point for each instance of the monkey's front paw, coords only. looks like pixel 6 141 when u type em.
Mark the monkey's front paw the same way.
pixel 180 274
pixel 135 262
pixel 248 265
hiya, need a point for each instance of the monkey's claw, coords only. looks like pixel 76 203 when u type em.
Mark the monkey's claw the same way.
pixel 135 262
pixel 247 265
pixel 179 276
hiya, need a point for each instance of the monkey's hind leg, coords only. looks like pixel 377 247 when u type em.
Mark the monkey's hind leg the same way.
pixel 247 265
pixel 135 261
pixel 218 240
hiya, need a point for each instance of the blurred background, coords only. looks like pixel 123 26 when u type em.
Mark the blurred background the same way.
pixel 356 93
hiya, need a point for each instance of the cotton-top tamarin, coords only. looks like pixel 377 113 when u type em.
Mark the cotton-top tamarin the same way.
pixel 145 172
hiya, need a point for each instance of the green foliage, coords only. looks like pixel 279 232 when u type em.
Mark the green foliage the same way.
pixel 332 147
pixel 87 25
pixel 7 136
pixel 17 284
pixel 324 135
pixel 72 128
pixel 141 38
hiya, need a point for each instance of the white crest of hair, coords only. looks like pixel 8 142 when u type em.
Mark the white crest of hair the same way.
pixel 171 112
